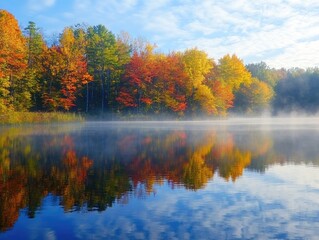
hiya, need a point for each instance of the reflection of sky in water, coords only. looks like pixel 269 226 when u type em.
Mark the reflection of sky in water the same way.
pixel 281 203
pixel 272 189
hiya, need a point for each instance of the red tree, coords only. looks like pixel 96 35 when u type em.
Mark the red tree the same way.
pixel 137 81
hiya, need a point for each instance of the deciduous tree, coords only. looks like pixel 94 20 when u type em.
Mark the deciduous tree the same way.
pixel 232 72
pixel 12 61
pixel 254 97
pixel 170 92
pixel 76 74
pixel 65 72
pixel 198 95
pixel 135 87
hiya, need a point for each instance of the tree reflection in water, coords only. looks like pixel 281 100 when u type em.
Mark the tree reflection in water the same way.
pixel 89 171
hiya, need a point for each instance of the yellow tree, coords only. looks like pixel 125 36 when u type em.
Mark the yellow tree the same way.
pixel 196 173
pixel 231 71
pixel 253 97
pixel 198 95
pixel 223 93
pixel 76 76
pixel 12 60
pixel 229 159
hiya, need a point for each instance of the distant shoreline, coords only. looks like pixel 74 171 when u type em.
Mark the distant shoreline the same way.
pixel 16 118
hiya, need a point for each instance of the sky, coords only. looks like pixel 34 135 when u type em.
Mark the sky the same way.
pixel 282 33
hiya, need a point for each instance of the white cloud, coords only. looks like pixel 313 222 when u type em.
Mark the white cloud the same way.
pixel 81 5
pixel 38 5
pixel 263 30
pixel 301 54
pixel 284 201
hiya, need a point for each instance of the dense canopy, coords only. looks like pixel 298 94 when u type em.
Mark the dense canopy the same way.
pixel 89 69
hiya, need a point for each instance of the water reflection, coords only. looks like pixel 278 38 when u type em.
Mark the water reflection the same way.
pixel 90 167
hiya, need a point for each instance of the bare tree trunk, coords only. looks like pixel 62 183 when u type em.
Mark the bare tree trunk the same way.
pixel 102 102
pixel 87 98
pixel 108 83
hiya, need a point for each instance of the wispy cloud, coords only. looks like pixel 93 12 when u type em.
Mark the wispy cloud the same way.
pixel 38 5
pixel 256 206
pixel 263 30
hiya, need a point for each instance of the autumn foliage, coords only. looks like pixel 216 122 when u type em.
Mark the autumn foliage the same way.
pixel 89 69
pixel 12 59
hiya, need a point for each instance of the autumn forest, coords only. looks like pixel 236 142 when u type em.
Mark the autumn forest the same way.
pixel 89 69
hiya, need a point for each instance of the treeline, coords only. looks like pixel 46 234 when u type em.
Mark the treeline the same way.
pixel 89 69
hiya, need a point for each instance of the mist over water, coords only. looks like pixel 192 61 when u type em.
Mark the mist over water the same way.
pixel 231 122
pixel 228 178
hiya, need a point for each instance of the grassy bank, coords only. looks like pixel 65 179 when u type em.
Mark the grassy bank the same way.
pixel 38 117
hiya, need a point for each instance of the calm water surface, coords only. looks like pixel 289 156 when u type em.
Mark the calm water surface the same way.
pixel 238 179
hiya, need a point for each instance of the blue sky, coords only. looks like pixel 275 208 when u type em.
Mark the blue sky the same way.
pixel 283 33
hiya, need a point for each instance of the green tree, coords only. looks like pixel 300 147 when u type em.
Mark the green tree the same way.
pixel 33 75
pixel 298 92
pixel 123 52
pixel 264 73
pixel 102 60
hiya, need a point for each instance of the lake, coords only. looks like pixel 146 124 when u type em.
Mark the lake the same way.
pixel 223 179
